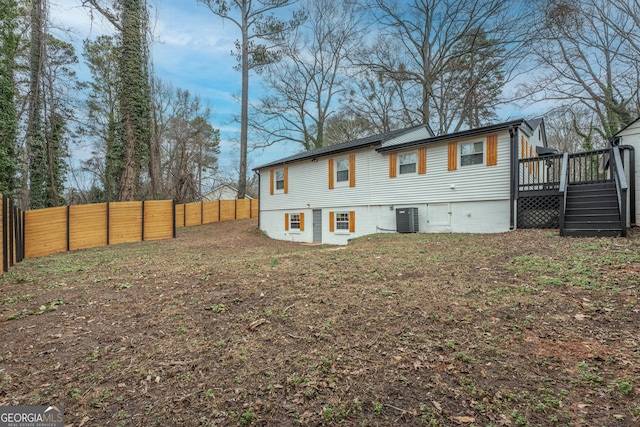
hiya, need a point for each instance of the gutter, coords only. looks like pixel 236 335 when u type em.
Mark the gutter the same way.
pixel 455 136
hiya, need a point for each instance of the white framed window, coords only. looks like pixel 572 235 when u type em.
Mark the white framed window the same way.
pixel 342 170
pixel 342 221
pixel 407 162
pixel 280 179
pixel 471 153
pixel 294 222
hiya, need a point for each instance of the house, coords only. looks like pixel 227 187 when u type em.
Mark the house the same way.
pixel 459 182
pixel 222 192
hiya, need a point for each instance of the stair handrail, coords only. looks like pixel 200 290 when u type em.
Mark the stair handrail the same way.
pixel 564 181
pixel 621 187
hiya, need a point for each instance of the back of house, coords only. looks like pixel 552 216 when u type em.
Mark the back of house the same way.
pixel 463 182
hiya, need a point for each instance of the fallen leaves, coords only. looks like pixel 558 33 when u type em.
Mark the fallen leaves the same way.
pixel 256 323
pixel 463 420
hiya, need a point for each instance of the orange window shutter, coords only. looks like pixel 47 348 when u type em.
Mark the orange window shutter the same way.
pixel 453 156
pixel 392 165
pixel 422 160
pixel 301 221
pixel 286 222
pixel 352 170
pixel 331 174
pixel 271 179
pixel 352 221
pixel 492 150
pixel 332 221
pixel 286 180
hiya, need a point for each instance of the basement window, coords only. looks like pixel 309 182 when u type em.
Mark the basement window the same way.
pixel 342 221
pixel 294 221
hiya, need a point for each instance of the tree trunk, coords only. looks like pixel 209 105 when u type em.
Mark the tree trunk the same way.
pixel 244 107
pixel 34 136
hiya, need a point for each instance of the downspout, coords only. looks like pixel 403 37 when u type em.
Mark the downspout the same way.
pixel 514 176
pixel 259 195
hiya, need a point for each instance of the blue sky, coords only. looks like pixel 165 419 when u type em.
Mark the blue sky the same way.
pixel 193 52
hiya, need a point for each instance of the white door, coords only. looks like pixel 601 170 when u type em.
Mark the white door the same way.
pixel 439 217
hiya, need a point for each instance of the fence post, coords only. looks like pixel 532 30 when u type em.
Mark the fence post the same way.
pixel 24 234
pixel 174 218
pixel 142 221
pixel 5 243
pixel 68 228
pixel 11 234
pixel 108 222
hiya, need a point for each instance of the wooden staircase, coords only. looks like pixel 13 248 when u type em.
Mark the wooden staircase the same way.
pixel 592 210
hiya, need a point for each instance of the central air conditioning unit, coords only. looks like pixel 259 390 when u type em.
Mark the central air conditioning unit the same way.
pixel 407 220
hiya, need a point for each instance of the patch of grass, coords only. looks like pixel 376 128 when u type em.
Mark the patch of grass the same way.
pixel 247 417
pixel 377 408
pixel 17 299
pixel 217 308
pixel 337 414
pixel 93 356
pixel 50 306
pixel 624 387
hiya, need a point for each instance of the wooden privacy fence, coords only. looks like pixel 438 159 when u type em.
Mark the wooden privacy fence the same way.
pixel 217 210
pixel 36 233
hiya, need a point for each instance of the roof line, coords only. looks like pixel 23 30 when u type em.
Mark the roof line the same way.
pixel 355 144
pixel 456 135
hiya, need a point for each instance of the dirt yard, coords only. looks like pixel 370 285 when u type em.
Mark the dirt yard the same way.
pixel 223 326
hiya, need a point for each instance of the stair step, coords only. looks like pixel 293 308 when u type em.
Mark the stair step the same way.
pixel 596 209
pixel 585 225
pixel 592 206
pixel 597 185
pixel 591 233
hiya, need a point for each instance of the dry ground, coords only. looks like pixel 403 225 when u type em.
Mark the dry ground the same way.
pixel 223 326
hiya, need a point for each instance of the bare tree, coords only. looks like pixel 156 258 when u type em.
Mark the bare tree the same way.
pixel 262 33
pixel 186 144
pixel 303 87
pixel 583 61
pixel 422 41
pixel 571 130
